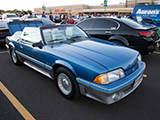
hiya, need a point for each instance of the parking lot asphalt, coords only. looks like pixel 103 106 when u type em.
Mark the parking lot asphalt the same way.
pixel 36 97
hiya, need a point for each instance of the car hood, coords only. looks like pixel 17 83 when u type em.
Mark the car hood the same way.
pixel 109 55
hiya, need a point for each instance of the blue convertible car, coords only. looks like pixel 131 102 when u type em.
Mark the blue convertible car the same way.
pixel 79 64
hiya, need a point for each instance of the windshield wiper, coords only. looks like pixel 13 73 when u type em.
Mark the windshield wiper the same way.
pixel 57 40
pixel 76 37
pixel 60 40
pixel 73 38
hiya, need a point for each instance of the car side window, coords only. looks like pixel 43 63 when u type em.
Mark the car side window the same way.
pixel 31 35
pixel 102 24
pixel 85 24
pixel 113 25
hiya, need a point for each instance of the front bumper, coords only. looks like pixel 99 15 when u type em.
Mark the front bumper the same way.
pixel 111 93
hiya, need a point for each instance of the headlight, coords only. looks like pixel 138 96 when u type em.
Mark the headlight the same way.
pixel 109 77
pixel 139 59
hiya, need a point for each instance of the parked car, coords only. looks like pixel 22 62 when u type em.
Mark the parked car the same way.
pixel 144 21
pixel 150 21
pixel 75 17
pixel 123 31
pixel 78 63
pixel 10 16
pixel 57 18
pixel 3 32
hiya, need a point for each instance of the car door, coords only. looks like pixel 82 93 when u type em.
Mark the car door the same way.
pixel 25 48
pixel 104 28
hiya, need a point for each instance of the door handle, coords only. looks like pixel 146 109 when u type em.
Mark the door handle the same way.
pixel 108 32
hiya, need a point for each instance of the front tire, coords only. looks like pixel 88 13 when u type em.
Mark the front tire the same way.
pixel 14 56
pixel 66 83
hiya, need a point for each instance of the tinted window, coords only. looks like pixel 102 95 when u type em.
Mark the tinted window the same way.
pixel 131 23
pixel 85 24
pixel 113 25
pixel 105 24
pixel 102 24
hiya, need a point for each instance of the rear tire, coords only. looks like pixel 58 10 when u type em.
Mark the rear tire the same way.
pixel 14 56
pixel 66 83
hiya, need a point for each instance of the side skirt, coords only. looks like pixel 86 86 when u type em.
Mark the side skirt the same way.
pixel 36 65
pixel 38 68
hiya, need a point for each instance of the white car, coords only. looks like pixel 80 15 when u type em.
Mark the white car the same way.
pixel 10 17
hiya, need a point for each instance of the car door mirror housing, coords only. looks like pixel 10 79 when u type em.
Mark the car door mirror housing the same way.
pixel 37 44
pixel 25 34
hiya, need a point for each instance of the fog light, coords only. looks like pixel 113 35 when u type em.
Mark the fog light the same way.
pixel 115 97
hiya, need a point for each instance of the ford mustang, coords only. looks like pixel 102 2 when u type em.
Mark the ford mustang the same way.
pixel 80 64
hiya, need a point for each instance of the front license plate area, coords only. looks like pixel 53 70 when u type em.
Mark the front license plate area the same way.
pixel 137 81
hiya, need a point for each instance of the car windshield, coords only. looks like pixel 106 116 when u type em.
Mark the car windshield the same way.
pixel 131 23
pixel 65 34
pixel 11 16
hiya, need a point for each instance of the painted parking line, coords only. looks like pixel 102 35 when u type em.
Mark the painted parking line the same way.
pixel 21 109
pixel 156 52
pixel 144 75
pixel 3 52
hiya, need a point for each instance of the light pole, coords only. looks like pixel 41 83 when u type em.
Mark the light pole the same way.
pixel 105 5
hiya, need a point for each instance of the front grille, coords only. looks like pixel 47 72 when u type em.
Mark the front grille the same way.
pixel 132 69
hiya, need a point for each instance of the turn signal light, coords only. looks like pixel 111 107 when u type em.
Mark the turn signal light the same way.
pixel 101 79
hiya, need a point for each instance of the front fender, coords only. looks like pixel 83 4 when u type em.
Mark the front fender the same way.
pixel 65 64
pixel 119 38
pixel 11 44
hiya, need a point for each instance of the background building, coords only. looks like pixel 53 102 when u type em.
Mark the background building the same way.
pixel 132 3
pixel 121 8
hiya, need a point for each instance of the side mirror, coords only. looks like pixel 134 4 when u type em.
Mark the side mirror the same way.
pixel 25 34
pixel 37 44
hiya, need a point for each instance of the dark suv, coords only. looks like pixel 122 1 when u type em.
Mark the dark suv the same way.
pixel 123 31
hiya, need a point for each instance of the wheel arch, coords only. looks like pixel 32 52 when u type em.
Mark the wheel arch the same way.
pixel 10 46
pixel 61 63
pixel 120 39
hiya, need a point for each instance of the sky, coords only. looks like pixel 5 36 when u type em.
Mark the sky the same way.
pixel 31 4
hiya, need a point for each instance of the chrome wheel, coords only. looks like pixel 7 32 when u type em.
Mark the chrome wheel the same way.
pixel 64 83
pixel 14 56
